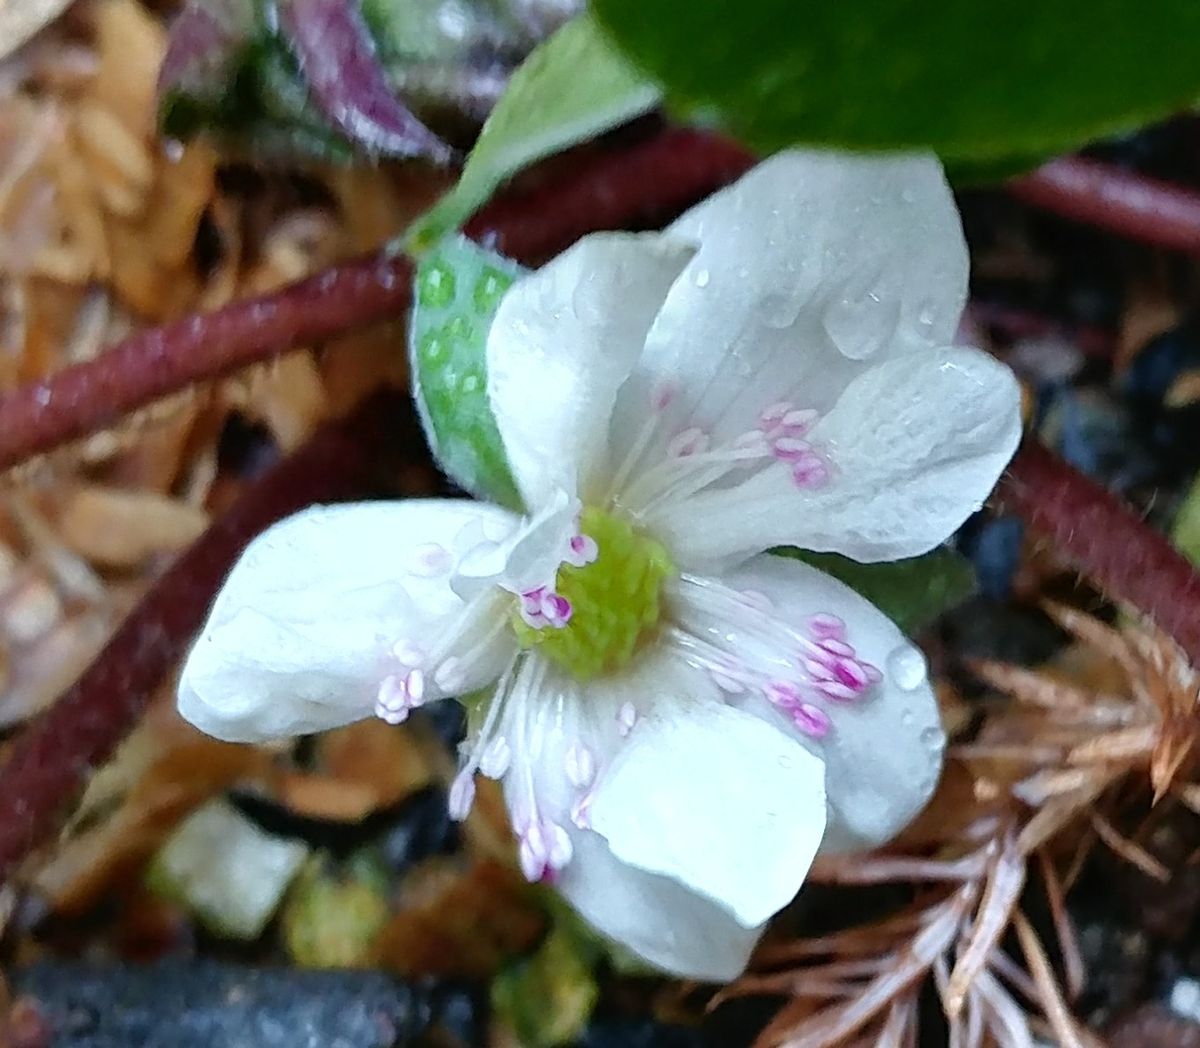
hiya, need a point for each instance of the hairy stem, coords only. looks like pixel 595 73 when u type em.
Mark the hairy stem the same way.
pixel 611 189
pixel 1104 539
pixel 1120 201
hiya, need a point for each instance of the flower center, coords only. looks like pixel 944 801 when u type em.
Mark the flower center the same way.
pixel 613 601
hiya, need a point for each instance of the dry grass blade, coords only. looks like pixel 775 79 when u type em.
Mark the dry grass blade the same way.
pixel 857 869
pixel 1068 943
pixel 1123 745
pixel 1000 895
pixel 900 1027
pixel 1066 1030
pixel 1189 793
pixel 832 1026
pixel 1032 686
pixel 1128 850
pixel 1004 1018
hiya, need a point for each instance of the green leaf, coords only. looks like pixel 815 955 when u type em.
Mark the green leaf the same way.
pixel 547 998
pixel 571 88
pixel 972 81
pixel 332 918
pixel 912 593
pixel 457 290
pixel 1186 531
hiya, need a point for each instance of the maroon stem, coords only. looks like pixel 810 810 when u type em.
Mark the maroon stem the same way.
pixel 1120 201
pixel 1106 540
pixel 50 760
pixel 52 757
pixel 86 397
pixel 616 189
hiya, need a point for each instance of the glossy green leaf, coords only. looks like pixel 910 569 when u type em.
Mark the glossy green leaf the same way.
pixel 570 89
pixel 458 289
pixel 973 81
pixel 912 593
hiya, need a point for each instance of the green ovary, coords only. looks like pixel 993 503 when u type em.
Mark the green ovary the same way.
pixel 614 600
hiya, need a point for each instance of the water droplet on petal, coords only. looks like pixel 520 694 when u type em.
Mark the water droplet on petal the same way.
pixel 779 310
pixel 861 324
pixel 906 667
pixel 702 278
pixel 932 738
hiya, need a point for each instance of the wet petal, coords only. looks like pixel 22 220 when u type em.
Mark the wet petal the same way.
pixel 303 631
pixel 912 448
pixel 883 752
pixel 718 800
pixel 812 266
pixel 563 340
pixel 664 923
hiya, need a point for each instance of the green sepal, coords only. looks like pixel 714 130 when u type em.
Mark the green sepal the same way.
pixel 456 292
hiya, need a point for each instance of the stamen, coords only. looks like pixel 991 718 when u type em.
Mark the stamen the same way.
pixel 796 671
pixel 407 653
pixel 659 399
pixel 583 551
pixel 496 758
pixel 692 441
pixel 462 794
pixel 581 810
pixel 580 765
pixel 627 717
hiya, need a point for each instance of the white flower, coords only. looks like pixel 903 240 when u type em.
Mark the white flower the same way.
pixel 679 717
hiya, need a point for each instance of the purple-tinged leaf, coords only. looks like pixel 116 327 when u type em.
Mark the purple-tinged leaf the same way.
pixel 203 44
pixel 348 84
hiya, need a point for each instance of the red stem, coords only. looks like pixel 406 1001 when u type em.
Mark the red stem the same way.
pixel 639 183
pixel 52 757
pixel 1106 540
pixel 1120 201
pixel 50 760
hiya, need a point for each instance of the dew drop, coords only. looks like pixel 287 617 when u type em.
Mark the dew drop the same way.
pixel 702 278
pixel 861 324
pixel 906 666
pixel 779 311
pixel 932 738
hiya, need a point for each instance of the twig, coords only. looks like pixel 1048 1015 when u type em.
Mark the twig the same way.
pixel 52 757
pixel 613 189
pixel 1125 203
pixel 1105 540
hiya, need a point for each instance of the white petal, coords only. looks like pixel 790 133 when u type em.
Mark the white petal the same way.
pixel 563 340
pixel 884 753
pixel 528 557
pixel 300 635
pixel 661 921
pixel 811 264
pixel 914 446
pixel 716 799
pixel 711 829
